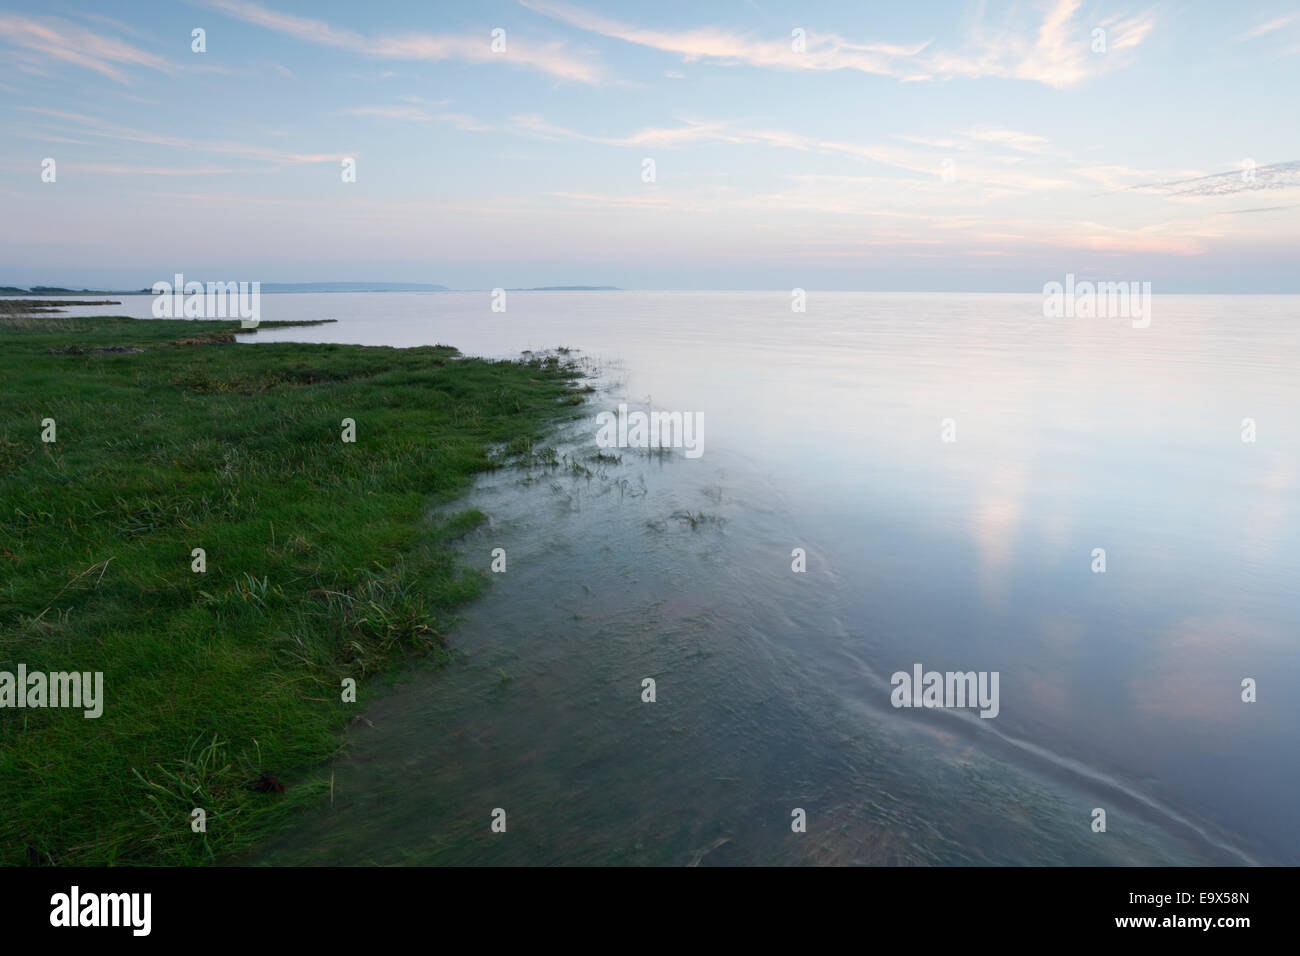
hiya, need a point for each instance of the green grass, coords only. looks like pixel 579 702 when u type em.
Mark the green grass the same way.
pixel 325 561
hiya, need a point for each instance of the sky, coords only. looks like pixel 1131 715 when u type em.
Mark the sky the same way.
pixel 677 145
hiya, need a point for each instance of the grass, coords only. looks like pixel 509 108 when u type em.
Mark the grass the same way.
pixel 696 519
pixel 38 306
pixel 325 560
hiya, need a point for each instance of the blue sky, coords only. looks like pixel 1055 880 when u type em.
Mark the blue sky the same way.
pixel 910 146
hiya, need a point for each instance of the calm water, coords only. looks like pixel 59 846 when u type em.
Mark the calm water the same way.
pixel 822 431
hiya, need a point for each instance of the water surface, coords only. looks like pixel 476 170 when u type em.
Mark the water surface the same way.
pixel 823 431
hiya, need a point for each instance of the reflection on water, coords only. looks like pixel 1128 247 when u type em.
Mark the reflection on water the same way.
pixel 1119 690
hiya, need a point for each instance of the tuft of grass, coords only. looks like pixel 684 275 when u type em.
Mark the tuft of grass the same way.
pixel 191 782
pixel 697 519
pixel 323 562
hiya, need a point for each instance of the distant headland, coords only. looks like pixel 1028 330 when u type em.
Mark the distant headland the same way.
pixel 270 287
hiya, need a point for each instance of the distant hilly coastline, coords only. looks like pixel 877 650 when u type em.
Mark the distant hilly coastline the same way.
pixel 305 287
pixel 352 287
pixel 265 287
pixel 60 290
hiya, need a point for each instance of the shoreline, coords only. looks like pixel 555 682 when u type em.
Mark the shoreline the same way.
pixel 198 523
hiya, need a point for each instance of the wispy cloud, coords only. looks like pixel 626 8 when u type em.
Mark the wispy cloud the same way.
pixel 1004 172
pixel 1098 237
pixel 416 114
pixel 931 141
pixel 1267 27
pixel 549 57
pixel 116 24
pixel 1274 176
pixel 1058 52
pixel 1242 212
pixel 94 126
pixel 127 170
pixel 822 51
pixel 43 41
pixel 1010 139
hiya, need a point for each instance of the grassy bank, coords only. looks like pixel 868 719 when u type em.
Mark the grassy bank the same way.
pixel 11 307
pixel 322 563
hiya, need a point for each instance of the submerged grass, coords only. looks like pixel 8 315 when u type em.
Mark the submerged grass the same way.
pixel 223 689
